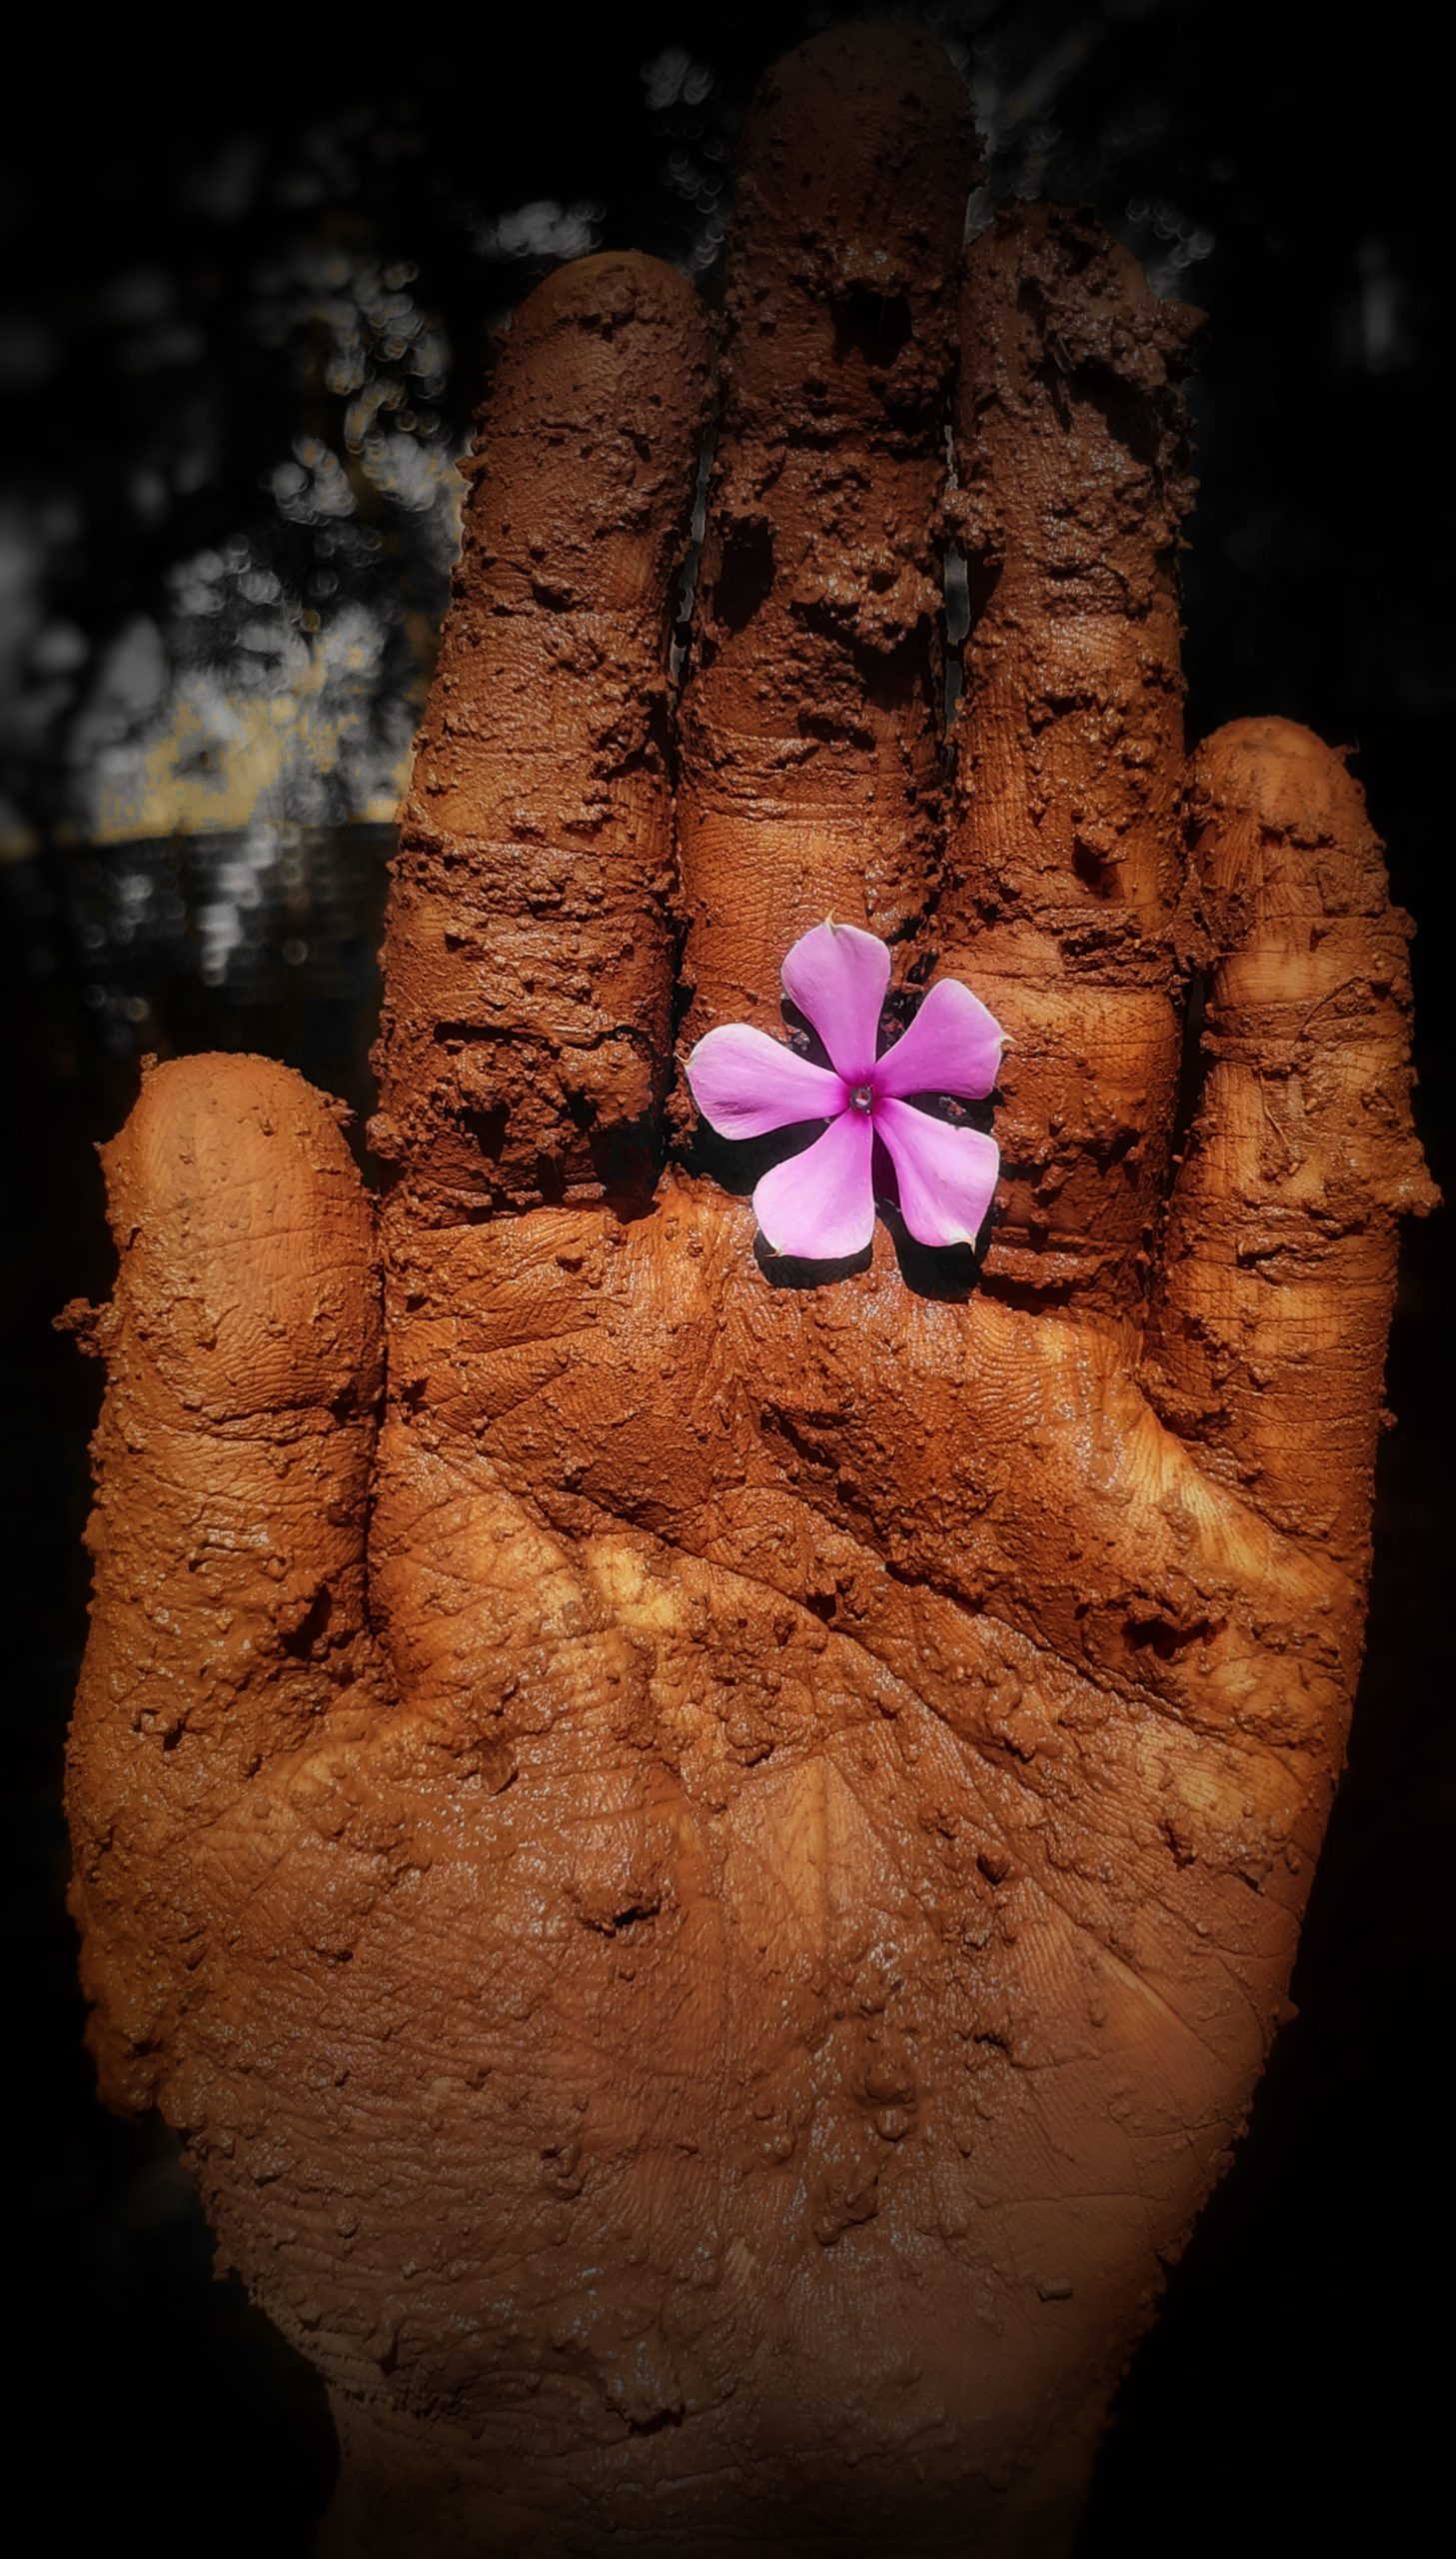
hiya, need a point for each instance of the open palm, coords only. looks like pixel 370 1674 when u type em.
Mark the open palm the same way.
pixel 710 1905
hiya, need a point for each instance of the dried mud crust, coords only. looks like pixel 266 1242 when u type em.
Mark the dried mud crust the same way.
pixel 807 1942
pixel 524 1034
pixel 811 719
pixel 1064 866
pixel 1267 1341
pixel 232 1461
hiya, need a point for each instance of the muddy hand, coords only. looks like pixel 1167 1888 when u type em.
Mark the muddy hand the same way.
pixel 710 1909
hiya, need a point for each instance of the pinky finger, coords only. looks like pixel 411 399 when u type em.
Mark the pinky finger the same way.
pixel 1266 1339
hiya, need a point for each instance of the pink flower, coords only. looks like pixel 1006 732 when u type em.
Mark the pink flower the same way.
pixel 820 1204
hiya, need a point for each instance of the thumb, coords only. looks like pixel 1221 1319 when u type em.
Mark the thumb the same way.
pixel 232 1469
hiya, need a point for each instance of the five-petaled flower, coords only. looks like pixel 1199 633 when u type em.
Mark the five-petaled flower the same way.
pixel 820 1204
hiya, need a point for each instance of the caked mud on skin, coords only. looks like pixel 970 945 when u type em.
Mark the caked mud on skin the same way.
pixel 1065 876
pixel 707 1869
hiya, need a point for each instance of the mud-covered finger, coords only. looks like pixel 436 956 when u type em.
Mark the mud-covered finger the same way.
pixel 1266 1339
pixel 232 1466
pixel 1063 857
pixel 811 724
pixel 525 1028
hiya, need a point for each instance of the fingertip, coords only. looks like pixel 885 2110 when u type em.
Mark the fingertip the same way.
pixel 863 137
pixel 866 65
pixel 610 286
pixel 196 1118
pixel 246 1238
pixel 1282 775
pixel 1049 274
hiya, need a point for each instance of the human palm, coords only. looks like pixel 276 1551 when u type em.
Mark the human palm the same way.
pixel 710 1907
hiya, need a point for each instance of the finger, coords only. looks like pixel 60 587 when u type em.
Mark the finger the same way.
pixel 525 1031
pixel 232 1468
pixel 811 722
pixel 1063 856
pixel 1266 1339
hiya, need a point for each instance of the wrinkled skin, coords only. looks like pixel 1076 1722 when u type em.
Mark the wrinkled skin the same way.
pixel 710 1907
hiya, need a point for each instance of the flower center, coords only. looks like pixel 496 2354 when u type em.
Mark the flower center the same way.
pixel 862 1099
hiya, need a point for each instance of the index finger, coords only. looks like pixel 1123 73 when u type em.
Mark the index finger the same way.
pixel 528 980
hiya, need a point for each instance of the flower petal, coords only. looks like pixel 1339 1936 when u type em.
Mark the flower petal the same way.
pixel 837 975
pixel 820 1204
pixel 953 1045
pixel 746 1083
pixel 947 1176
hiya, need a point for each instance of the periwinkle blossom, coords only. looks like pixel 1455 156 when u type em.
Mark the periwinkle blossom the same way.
pixel 819 1206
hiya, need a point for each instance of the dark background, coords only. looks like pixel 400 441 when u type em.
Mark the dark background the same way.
pixel 220 236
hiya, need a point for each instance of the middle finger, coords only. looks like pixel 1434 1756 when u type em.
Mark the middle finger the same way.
pixel 811 724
